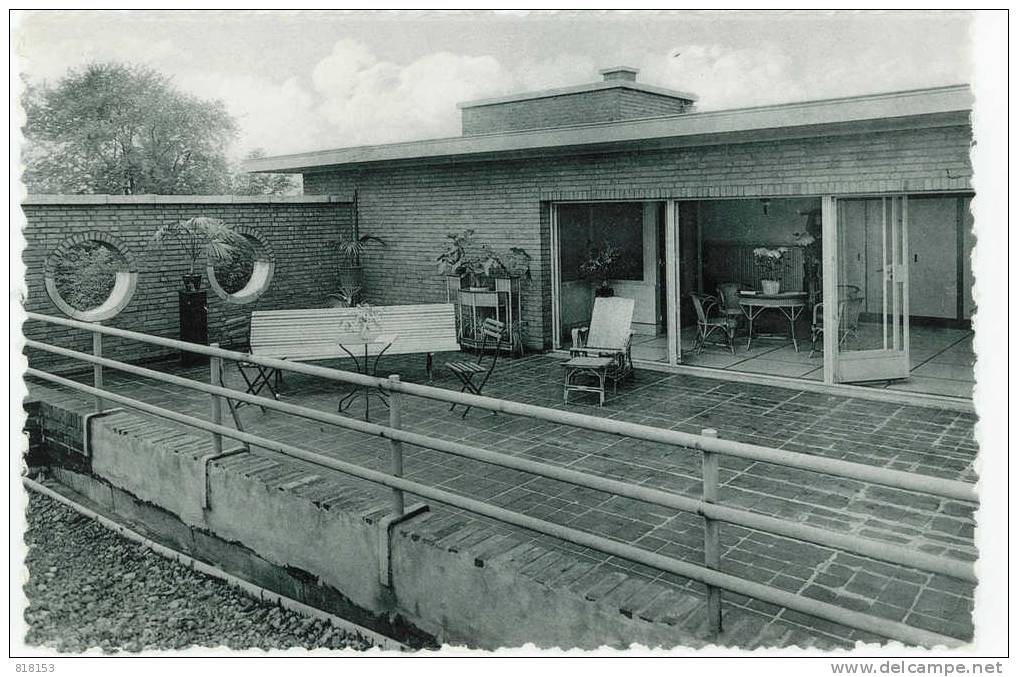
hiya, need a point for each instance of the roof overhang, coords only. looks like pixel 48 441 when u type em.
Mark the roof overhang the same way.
pixel 938 107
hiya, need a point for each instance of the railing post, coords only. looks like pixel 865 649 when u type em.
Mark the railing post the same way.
pixel 711 534
pixel 215 377
pixel 396 423
pixel 97 369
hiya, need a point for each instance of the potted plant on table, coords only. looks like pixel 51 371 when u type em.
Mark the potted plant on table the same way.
pixel 366 323
pixel 770 263
pixel 600 267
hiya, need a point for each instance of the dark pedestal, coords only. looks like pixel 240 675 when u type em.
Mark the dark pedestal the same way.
pixel 194 325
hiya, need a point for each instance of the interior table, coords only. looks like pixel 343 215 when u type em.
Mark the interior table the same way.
pixel 373 346
pixel 790 304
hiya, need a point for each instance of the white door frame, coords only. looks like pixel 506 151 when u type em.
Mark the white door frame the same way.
pixel 556 280
pixel 672 319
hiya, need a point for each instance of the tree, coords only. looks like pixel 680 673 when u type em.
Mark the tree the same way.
pixel 246 183
pixel 124 129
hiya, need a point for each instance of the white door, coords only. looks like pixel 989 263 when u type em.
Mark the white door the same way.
pixel 866 311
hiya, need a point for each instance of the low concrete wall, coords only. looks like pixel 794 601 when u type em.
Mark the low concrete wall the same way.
pixel 295 516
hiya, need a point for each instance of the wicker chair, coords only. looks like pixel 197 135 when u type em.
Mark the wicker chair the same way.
pixel 849 309
pixel 728 300
pixel 709 321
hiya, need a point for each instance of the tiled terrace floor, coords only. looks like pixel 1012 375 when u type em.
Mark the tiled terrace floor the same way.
pixel 942 358
pixel 913 439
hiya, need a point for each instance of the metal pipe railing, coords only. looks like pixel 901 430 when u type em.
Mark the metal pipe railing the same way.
pixel 707 507
pixel 711 577
pixel 892 478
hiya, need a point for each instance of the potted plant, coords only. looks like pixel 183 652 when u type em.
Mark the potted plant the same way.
pixel 351 274
pixel 600 265
pixel 366 323
pixel 200 237
pixel 771 265
pixel 516 263
pixel 465 257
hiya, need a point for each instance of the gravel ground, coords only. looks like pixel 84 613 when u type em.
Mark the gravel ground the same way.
pixel 90 587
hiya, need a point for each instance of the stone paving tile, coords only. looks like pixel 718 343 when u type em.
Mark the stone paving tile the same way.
pixel 916 439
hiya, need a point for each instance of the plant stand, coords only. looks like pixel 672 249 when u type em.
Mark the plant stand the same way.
pixel 194 325
pixel 504 304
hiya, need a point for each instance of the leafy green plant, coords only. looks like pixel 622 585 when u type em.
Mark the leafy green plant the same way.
pixel 601 263
pixel 352 248
pixel 234 273
pixel 466 256
pixel 85 274
pixel 198 237
pixel 516 263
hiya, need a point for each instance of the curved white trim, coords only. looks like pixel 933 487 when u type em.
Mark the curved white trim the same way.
pixel 257 284
pixel 121 294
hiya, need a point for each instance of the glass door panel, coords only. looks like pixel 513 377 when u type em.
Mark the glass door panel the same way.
pixel 869 315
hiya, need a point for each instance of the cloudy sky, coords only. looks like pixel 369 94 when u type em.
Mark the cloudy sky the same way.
pixel 300 81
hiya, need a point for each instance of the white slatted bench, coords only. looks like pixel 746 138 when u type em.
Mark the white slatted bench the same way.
pixel 315 333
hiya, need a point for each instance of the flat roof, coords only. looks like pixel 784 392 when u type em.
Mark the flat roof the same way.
pixel 938 106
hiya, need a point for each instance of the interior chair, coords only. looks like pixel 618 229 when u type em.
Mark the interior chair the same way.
pixel 849 309
pixel 728 300
pixel 709 322
pixel 493 332
pixel 236 336
pixel 610 334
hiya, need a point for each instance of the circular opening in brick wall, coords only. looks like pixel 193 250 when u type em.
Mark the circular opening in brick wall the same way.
pixel 247 274
pixel 91 276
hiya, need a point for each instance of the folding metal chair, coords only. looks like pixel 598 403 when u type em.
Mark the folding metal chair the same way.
pixel 493 331
pixel 237 337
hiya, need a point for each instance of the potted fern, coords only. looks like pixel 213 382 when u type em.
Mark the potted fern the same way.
pixel 351 274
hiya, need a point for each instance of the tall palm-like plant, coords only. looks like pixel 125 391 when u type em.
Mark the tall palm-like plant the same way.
pixel 353 247
pixel 198 237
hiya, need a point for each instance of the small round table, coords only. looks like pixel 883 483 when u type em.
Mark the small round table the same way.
pixel 790 304
pixel 382 340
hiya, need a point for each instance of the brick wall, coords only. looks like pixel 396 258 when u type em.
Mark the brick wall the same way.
pixel 603 105
pixel 414 207
pixel 298 231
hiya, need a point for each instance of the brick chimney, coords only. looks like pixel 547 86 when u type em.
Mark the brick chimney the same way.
pixel 616 98
pixel 619 73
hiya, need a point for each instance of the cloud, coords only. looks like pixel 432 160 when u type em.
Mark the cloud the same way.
pixel 277 116
pixel 366 100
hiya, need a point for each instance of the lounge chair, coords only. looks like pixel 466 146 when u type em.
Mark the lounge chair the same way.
pixel 609 335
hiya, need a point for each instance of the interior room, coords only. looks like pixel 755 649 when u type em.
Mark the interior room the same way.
pixel 725 248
